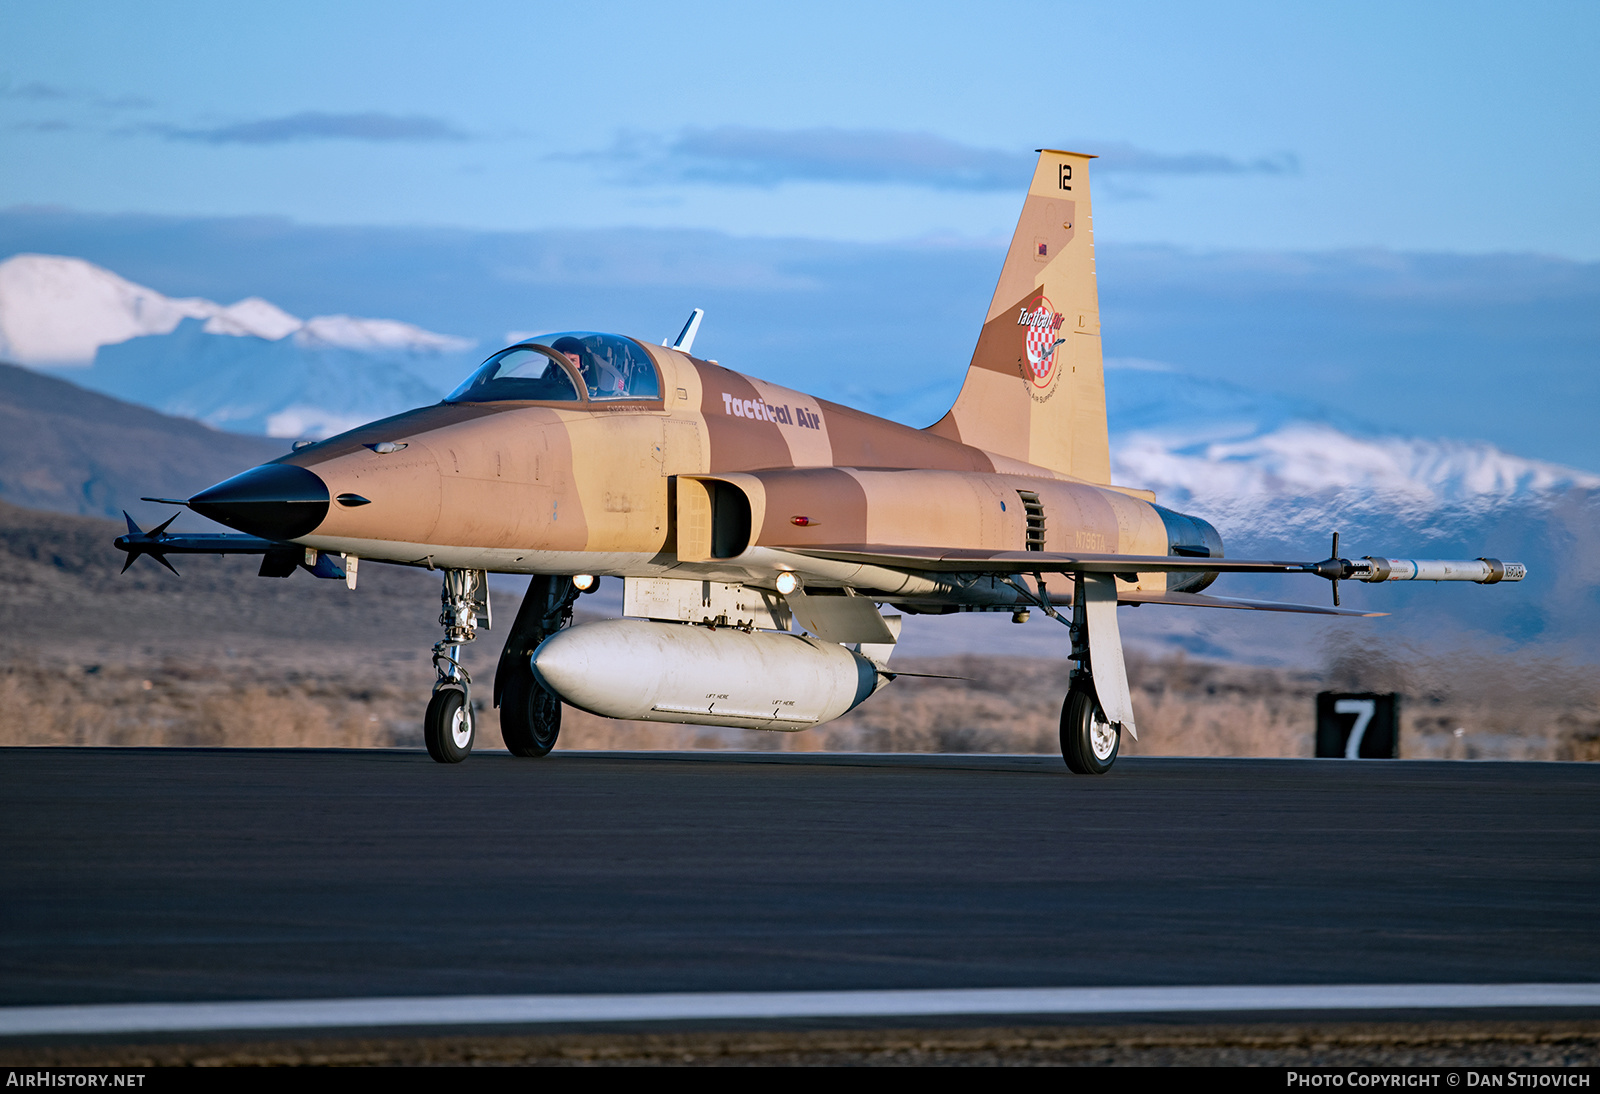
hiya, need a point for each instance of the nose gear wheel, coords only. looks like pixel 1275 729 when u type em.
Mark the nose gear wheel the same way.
pixel 449 725
pixel 447 728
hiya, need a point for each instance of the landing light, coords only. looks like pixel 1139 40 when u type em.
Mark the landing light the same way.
pixel 788 582
pixel 583 582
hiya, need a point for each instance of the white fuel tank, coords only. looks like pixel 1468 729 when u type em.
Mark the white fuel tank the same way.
pixel 676 672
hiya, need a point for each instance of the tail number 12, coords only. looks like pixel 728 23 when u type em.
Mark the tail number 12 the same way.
pixel 1066 176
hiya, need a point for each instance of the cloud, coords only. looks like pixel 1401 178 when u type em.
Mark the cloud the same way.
pixel 37 91
pixel 124 102
pixel 50 126
pixel 1116 156
pixel 764 157
pixel 314 125
pixel 1137 364
pixel 734 155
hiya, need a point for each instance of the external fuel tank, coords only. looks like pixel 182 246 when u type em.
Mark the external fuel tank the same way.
pixel 679 672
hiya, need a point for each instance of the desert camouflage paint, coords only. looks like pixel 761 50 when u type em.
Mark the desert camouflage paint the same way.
pixel 727 465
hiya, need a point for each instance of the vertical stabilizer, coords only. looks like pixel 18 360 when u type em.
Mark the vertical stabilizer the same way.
pixel 1035 390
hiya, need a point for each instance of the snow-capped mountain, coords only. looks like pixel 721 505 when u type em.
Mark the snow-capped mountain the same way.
pixel 247 367
pixel 56 310
pixel 1232 453
pixel 288 387
pixel 1277 476
pixel 1224 450
pixel 59 311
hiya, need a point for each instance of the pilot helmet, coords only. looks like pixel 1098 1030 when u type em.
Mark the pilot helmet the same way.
pixel 574 347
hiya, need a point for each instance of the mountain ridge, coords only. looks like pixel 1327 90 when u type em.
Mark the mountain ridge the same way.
pixel 70 450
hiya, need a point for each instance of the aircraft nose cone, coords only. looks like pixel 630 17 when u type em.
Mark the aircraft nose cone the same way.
pixel 274 501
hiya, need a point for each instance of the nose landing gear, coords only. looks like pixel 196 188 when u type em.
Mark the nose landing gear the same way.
pixel 448 727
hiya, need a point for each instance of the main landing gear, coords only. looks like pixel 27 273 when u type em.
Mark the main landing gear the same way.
pixel 530 717
pixel 1089 743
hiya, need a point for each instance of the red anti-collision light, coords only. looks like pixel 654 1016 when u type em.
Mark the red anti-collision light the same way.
pixel 803 522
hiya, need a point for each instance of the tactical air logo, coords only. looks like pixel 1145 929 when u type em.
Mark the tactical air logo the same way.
pixel 1044 325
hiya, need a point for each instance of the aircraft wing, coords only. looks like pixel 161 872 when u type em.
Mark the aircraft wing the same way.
pixel 1202 600
pixel 1010 563
pixel 1028 562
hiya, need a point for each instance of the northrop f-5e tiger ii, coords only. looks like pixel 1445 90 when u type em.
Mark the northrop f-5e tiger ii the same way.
pixel 759 532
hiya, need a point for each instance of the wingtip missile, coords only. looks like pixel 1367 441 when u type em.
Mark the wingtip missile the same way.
pixel 134 550
pixel 1482 571
pixel 139 542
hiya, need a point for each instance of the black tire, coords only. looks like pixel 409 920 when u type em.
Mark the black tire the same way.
pixel 1088 743
pixel 530 717
pixel 449 726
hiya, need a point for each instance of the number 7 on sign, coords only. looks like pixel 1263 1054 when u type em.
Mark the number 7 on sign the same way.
pixel 1363 709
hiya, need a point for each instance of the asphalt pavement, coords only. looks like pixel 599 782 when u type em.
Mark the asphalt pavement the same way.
pixel 150 875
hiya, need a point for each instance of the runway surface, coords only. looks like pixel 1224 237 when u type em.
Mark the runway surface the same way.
pixel 195 875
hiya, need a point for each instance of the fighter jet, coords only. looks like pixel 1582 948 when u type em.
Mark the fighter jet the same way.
pixel 759 531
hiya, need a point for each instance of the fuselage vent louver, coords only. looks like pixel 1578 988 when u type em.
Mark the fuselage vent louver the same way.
pixel 1035 510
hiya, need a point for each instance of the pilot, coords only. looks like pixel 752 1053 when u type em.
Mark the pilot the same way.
pixel 598 375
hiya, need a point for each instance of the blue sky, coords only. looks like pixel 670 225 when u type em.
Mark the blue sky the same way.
pixel 1387 208
pixel 1462 127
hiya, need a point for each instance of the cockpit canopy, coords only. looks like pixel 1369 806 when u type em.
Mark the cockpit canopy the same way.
pixel 543 370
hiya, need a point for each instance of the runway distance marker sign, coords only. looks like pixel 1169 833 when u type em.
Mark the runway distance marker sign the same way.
pixel 1358 725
